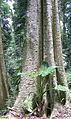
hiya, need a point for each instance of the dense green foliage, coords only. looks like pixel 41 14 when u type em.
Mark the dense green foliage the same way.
pixel 19 20
pixel 66 33
pixel 11 60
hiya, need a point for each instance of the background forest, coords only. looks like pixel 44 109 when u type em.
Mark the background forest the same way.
pixel 35 58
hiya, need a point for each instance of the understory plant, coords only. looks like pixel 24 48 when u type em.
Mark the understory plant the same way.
pixel 43 75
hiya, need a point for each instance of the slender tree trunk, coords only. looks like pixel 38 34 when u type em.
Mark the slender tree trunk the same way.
pixel 61 77
pixel 49 51
pixel 30 53
pixel 48 36
pixel 3 79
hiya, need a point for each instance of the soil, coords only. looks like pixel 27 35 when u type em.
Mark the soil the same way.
pixel 59 112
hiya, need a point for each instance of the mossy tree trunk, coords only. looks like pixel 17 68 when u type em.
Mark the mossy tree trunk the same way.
pixel 3 78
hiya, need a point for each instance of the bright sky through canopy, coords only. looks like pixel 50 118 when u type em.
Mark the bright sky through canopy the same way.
pixel 11 5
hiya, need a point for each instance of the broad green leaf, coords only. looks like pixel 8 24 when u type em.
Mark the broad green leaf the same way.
pixel 61 88
pixel 69 76
pixel 44 70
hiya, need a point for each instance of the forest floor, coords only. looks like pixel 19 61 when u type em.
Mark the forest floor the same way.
pixel 61 112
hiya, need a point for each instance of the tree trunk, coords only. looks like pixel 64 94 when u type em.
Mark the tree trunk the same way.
pixel 48 36
pixel 49 51
pixel 30 53
pixel 3 79
pixel 61 77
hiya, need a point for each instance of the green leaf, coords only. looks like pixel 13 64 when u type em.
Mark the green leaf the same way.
pixel 28 103
pixel 28 73
pixel 61 88
pixel 69 76
pixel 44 70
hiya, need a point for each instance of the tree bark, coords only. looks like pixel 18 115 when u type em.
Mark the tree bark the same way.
pixel 30 53
pixel 48 35
pixel 3 78
pixel 61 77
pixel 49 51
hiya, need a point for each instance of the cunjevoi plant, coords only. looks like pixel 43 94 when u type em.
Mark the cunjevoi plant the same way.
pixel 43 71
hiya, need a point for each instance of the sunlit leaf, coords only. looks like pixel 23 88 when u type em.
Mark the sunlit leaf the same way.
pixel 44 70
pixel 28 103
pixel 28 73
pixel 61 88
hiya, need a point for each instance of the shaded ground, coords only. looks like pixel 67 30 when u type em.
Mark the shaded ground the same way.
pixel 60 112
pixel 63 112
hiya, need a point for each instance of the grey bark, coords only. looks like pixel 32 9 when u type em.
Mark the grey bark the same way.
pixel 30 53
pixel 48 49
pixel 48 36
pixel 61 77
